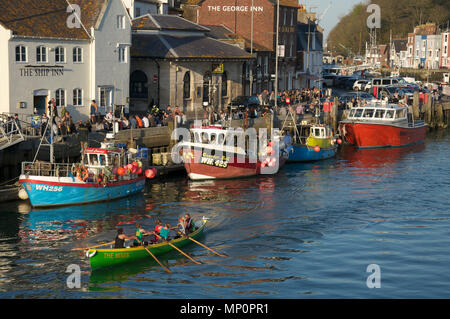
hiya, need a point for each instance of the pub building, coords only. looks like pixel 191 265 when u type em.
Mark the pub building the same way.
pixel 72 51
pixel 237 16
pixel 176 62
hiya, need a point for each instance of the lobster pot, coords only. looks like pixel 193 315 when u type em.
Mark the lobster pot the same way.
pixel 166 158
pixel 157 159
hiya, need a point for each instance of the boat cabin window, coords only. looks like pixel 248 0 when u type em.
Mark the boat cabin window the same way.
pixel 102 159
pixel 205 138
pixel 221 139
pixel 389 114
pixel 93 159
pixel 317 132
pixel 212 139
pixel 368 113
pixel 358 112
pixel 400 114
pixel 379 114
pixel 352 113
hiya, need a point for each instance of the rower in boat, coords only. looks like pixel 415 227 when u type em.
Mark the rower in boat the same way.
pixel 188 224
pixel 121 238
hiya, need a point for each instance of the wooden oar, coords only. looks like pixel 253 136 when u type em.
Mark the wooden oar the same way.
pixel 221 255
pixel 172 245
pixel 110 243
pixel 165 268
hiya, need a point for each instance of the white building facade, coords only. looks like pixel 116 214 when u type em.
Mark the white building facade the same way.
pixel 445 46
pixel 86 56
pixel 137 8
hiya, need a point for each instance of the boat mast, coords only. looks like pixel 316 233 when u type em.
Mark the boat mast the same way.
pixel 51 134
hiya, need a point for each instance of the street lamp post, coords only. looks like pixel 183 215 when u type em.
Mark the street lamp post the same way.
pixel 276 56
pixel 251 49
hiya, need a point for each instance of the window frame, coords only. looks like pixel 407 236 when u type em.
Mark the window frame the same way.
pixel 59 54
pixel 60 100
pixel 39 50
pixel 77 97
pixel 77 52
pixel 23 54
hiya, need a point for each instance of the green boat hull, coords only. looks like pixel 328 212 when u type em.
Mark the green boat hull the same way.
pixel 103 258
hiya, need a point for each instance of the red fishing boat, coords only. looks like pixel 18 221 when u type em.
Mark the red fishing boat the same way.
pixel 382 125
pixel 220 153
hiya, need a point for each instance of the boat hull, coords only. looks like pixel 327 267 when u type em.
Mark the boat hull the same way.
pixel 303 153
pixel 202 166
pixel 366 135
pixel 104 258
pixel 54 191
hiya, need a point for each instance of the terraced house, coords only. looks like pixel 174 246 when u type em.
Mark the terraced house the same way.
pixel 72 51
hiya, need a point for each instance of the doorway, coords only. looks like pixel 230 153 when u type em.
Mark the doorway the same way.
pixel 40 101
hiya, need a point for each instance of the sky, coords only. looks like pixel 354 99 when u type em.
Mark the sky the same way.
pixel 338 9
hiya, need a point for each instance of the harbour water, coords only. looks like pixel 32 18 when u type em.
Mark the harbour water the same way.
pixel 311 231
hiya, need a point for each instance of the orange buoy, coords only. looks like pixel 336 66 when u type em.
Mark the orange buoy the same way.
pixel 317 149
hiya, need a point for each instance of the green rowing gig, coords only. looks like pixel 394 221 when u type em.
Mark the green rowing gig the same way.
pixel 102 258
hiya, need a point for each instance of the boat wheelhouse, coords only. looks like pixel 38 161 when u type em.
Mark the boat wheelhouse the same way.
pixel 382 125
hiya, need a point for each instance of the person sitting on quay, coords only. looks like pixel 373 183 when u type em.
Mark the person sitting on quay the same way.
pixel 109 118
pixel 139 123
pixel 125 124
pixel 151 120
pixel 132 122
pixel 145 121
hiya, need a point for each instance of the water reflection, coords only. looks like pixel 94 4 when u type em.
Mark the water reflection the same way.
pixel 377 157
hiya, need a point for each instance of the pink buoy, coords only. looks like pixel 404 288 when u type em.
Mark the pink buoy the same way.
pixel 339 141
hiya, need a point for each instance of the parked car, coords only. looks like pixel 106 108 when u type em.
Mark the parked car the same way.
pixel 381 82
pixel 244 101
pixel 359 85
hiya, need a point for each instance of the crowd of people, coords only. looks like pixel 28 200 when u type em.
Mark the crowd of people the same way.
pixel 153 118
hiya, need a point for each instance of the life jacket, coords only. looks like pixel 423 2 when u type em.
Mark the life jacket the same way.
pixel 139 122
pixel 158 229
pixel 138 236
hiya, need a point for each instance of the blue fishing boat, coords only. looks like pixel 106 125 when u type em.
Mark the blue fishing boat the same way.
pixel 311 143
pixel 103 174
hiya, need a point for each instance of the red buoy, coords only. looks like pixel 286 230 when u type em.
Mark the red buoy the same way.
pixel 120 171
pixel 317 149
pixel 339 141
pixel 149 173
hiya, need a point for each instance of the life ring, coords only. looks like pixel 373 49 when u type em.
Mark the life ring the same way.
pixel 90 255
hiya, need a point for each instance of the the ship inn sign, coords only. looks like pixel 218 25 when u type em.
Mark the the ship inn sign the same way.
pixel 41 71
